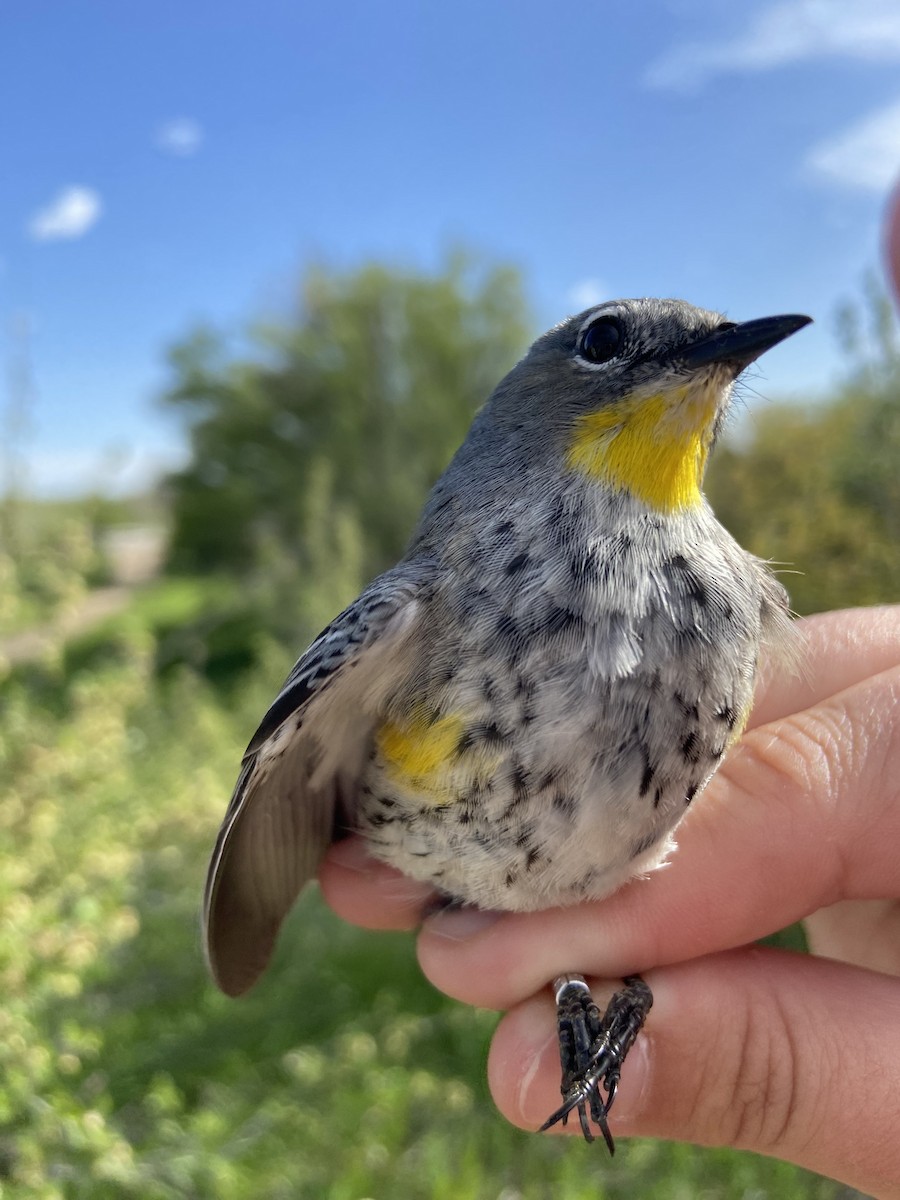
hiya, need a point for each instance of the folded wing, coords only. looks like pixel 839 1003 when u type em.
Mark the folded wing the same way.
pixel 299 776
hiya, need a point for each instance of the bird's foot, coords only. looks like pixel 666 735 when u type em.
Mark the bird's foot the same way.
pixel 592 1048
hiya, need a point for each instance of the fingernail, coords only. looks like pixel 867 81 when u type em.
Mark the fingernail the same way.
pixel 538 1040
pixel 457 924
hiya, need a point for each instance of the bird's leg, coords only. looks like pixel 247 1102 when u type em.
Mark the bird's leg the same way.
pixel 592 1048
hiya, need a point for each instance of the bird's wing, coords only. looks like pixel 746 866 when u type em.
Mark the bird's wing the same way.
pixel 299 775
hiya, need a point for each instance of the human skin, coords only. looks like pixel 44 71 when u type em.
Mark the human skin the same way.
pixel 794 1056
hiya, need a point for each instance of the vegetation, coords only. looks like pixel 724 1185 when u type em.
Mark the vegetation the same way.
pixel 343 422
pixel 816 487
pixel 49 554
pixel 344 1075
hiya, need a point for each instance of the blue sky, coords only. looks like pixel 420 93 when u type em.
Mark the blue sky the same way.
pixel 165 164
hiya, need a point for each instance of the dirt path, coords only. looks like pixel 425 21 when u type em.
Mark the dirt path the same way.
pixel 135 556
pixel 96 606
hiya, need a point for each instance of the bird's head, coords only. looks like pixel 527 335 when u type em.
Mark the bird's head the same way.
pixel 633 392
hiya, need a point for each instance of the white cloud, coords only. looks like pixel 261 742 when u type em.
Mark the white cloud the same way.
pixel 866 155
pixel 182 137
pixel 69 215
pixel 788 31
pixel 586 293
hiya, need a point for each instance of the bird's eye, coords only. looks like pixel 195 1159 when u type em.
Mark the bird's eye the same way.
pixel 602 340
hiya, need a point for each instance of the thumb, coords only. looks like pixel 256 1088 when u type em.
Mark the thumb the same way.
pixel 788 1055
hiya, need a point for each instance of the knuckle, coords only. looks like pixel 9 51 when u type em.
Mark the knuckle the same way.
pixel 801 754
pixel 823 750
pixel 764 1102
pixel 763 1080
pixel 745 1095
pixel 829 774
pixel 805 765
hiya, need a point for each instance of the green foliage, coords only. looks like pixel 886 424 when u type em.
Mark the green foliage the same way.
pixel 53 551
pixel 338 429
pixel 344 1075
pixel 816 487
pixel 49 554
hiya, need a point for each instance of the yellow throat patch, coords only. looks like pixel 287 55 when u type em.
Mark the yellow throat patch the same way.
pixel 654 447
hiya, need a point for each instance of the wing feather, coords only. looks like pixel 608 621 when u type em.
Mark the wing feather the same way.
pixel 298 776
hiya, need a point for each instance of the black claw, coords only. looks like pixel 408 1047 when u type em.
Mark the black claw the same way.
pixel 585 1128
pixel 592 1050
pixel 607 1136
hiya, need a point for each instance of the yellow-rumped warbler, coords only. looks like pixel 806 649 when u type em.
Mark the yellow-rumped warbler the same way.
pixel 521 711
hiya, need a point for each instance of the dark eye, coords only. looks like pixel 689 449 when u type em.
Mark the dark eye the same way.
pixel 601 341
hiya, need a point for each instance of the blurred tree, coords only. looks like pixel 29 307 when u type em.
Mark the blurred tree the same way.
pixel 310 462
pixel 816 487
pixel 335 434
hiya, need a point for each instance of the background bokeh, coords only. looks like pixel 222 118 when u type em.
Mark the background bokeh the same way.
pixel 258 267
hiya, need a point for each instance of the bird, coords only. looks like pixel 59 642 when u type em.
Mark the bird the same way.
pixel 522 710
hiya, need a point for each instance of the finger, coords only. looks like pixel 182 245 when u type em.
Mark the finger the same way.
pixel 784 1054
pixel 369 893
pixel 834 651
pixel 863 932
pixel 803 814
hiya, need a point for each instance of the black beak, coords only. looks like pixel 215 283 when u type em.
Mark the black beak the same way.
pixel 740 345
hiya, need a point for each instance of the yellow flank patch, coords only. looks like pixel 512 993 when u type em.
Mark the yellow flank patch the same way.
pixel 427 756
pixel 740 724
pixel 418 751
pixel 654 447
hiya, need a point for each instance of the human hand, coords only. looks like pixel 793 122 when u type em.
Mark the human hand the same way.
pixel 791 1055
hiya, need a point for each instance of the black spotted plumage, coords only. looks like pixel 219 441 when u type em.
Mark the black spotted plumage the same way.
pixel 558 663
